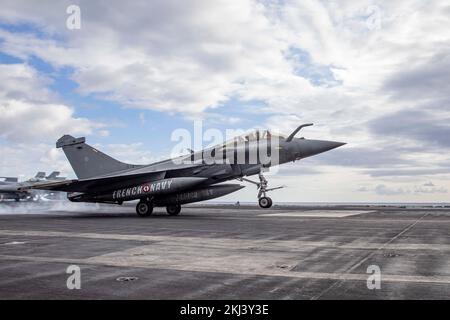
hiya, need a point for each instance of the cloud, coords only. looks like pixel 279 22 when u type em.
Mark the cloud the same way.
pixel 384 190
pixel 31 119
pixel 382 90
pixel 28 113
pixel 166 57
pixel 133 152
pixel 425 190
pixel 408 172
pixel 427 81
pixel 296 169
pixel 24 160
pixel 26 122
pixel 364 157
pixel 387 191
pixel 430 129
pixel 22 82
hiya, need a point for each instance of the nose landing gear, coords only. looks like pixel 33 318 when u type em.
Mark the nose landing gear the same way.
pixel 263 201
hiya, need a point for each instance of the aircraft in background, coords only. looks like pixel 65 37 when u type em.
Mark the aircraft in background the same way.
pixel 9 187
pixel 184 179
pixel 54 176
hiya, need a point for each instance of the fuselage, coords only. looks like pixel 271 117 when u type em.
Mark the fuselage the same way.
pixel 246 158
pixel 191 178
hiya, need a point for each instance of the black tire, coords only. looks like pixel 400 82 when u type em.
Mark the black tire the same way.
pixel 265 202
pixel 173 210
pixel 144 209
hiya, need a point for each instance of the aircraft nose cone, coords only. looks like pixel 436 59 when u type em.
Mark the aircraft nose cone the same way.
pixel 310 148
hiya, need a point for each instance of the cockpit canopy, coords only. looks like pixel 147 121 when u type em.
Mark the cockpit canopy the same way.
pixel 253 136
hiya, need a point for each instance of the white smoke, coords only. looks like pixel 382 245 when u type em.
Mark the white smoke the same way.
pixel 45 207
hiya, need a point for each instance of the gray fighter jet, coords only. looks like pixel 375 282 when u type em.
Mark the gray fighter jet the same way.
pixel 195 177
pixel 9 187
pixel 12 189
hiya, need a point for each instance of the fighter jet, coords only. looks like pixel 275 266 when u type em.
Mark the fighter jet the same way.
pixel 190 178
pixel 7 190
pixel 11 188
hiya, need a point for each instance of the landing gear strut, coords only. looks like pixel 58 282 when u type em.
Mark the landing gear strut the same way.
pixel 264 201
pixel 144 208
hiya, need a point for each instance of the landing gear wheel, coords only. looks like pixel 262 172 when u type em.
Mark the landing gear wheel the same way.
pixel 173 210
pixel 144 209
pixel 265 202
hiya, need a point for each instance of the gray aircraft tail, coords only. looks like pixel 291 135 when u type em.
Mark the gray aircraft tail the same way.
pixel 87 161
pixel 53 175
pixel 40 175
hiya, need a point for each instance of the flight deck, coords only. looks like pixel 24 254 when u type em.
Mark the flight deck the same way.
pixel 224 252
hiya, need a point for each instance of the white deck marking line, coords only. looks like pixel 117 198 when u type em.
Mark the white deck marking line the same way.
pixel 231 243
pixel 316 213
pixel 339 282
pixel 275 273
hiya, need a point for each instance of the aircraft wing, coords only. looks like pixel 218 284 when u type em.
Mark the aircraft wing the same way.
pixel 110 181
pixel 65 185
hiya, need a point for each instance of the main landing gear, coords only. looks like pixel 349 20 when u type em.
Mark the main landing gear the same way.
pixel 263 201
pixel 173 210
pixel 145 208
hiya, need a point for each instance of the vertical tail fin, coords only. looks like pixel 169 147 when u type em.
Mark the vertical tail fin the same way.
pixel 40 175
pixel 53 175
pixel 87 161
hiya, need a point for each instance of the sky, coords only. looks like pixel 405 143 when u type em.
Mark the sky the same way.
pixel 374 74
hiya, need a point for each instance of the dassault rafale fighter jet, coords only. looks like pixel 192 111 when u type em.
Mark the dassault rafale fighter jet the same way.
pixel 10 186
pixel 184 179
